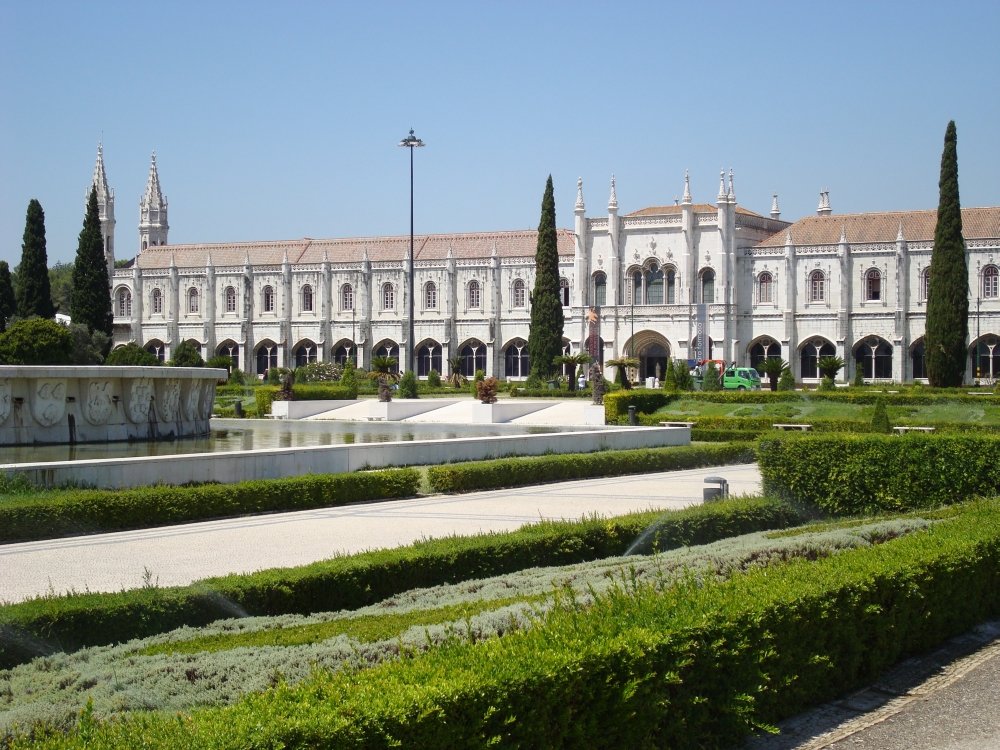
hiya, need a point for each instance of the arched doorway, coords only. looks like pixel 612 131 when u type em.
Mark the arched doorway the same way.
pixel 653 352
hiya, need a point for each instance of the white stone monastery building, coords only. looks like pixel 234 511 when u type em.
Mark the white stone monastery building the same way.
pixel 853 286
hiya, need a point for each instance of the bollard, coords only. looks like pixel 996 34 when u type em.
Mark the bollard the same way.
pixel 719 491
pixel 238 406
pixel 632 419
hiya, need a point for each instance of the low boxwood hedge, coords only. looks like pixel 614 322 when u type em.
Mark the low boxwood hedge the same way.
pixel 83 511
pixel 850 474
pixel 517 472
pixel 698 665
pixel 48 624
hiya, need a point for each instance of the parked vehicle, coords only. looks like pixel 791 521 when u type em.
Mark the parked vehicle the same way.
pixel 740 379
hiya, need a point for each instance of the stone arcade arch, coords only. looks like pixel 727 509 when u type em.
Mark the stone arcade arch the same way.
pixel 811 351
pixel 653 352
pixel 873 356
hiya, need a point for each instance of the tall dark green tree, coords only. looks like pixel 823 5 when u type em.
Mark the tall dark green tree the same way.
pixel 545 337
pixel 8 304
pixel 91 297
pixel 31 287
pixel 947 295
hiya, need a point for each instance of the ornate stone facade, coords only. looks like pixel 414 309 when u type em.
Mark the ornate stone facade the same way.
pixel 852 286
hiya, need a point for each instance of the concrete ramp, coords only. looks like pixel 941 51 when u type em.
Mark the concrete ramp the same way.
pixel 577 413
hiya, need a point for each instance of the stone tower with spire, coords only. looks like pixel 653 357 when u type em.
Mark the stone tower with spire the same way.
pixel 105 209
pixel 152 212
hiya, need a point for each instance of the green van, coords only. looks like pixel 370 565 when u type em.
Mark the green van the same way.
pixel 741 379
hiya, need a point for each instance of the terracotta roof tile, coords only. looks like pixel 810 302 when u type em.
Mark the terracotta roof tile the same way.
pixel 918 226
pixel 516 244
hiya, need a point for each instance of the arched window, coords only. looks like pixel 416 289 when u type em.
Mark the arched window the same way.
pixel 347 297
pixel 157 349
pixel 344 352
pixel 268 298
pixel 430 296
pixel 232 350
pixel 230 299
pixel 812 352
pixel 817 286
pixel 388 297
pixel 765 288
pixel 156 302
pixel 671 286
pixel 428 358
pixel 925 285
pixel 873 357
pixel 654 285
pixel 519 293
pixel 307 298
pixel 516 363
pixel 635 288
pixel 192 300
pixel 708 286
pixel 475 297
pixel 473 356
pixel 873 285
pixel 600 289
pixel 918 359
pixel 387 349
pixel 267 357
pixel 564 292
pixel 124 303
pixel 991 282
pixel 305 353
pixel 764 350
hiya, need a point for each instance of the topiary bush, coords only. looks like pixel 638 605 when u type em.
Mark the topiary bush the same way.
pixel 880 418
pixel 408 385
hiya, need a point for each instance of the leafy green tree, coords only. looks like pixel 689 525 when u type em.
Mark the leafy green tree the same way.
pixel 88 346
pixel 61 285
pixel 31 288
pixel 621 374
pixel 546 332
pixel 829 366
pixel 8 303
pixel 787 381
pixel 774 368
pixel 350 377
pixel 36 341
pixel 91 300
pixel 384 371
pixel 947 295
pixel 187 355
pixel 131 355
pixel 408 385
pixel 713 378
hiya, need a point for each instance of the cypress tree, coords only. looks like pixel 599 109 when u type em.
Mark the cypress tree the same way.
pixel 947 295
pixel 91 297
pixel 545 336
pixel 8 304
pixel 31 288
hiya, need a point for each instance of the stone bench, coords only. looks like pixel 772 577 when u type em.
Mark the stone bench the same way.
pixel 677 424
pixel 901 430
pixel 802 427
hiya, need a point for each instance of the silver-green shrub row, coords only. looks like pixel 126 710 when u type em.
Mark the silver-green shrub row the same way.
pixel 852 474
pixel 220 662
pixel 698 665
pixel 517 472
pixel 47 625
pixel 70 512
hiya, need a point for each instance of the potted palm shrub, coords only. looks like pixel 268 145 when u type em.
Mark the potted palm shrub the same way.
pixel 385 373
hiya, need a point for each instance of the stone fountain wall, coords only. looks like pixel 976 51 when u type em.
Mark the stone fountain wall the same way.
pixel 104 404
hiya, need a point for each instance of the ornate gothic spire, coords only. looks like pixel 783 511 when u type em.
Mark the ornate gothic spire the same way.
pixel 723 195
pixel 686 199
pixel 613 199
pixel 153 199
pixel 732 191
pixel 100 181
pixel 775 211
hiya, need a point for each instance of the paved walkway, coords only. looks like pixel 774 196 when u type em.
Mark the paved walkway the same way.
pixel 177 555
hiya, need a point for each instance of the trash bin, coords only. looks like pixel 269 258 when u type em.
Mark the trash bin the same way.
pixel 632 419
pixel 718 490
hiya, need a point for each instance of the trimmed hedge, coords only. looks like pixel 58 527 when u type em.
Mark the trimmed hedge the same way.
pixel 699 665
pixel 323 392
pixel 517 472
pixel 72 512
pixel 851 474
pixel 264 395
pixel 66 623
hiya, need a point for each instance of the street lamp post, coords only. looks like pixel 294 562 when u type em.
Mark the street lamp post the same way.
pixel 411 142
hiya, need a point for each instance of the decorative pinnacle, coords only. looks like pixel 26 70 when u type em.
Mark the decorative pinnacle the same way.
pixel 613 200
pixel 732 192
pixel 722 185
pixel 579 194
pixel 775 211
pixel 687 188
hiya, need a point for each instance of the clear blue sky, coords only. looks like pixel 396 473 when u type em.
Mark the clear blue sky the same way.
pixel 280 120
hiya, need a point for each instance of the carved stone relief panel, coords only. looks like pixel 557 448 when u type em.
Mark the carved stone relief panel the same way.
pixel 139 393
pixel 97 406
pixel 168 398
pixel 48 401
